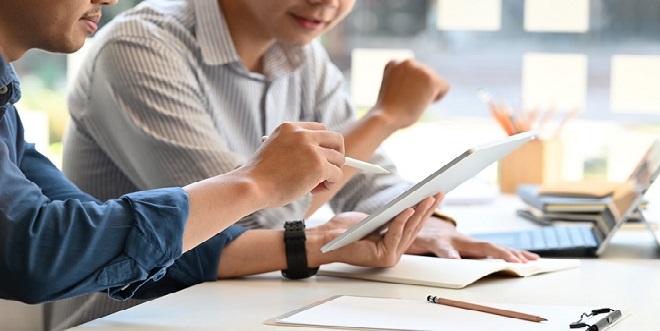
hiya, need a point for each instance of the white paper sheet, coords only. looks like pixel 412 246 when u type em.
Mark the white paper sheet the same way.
pixel 406 314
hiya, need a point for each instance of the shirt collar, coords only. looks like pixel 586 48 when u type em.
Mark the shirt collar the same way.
pixel 217 46
pixel 9 79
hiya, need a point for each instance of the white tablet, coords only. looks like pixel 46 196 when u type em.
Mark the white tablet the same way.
pixel 460 169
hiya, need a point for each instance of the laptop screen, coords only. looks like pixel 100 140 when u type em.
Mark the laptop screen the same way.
pixel 626 199
pixel 648 168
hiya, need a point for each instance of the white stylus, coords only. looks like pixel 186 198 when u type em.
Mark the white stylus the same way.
pixel 364 166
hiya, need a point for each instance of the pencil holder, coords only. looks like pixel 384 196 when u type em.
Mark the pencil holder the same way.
pixel 537 162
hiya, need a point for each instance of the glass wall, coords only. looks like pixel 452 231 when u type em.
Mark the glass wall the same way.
pixel 598 64
pixel 602 64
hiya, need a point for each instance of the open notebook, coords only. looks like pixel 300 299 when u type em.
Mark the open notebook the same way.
pixel 447 273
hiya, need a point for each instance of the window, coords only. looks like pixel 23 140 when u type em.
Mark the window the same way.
pixel 609 51
pixel 602 56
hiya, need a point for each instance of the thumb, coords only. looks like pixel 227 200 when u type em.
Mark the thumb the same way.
pixel 390 64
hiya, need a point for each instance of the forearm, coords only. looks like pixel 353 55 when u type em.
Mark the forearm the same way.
pixel 254 252
pixel 260 251
pixel 219 202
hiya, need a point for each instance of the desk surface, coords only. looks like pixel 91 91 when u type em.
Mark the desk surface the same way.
pixel 628 275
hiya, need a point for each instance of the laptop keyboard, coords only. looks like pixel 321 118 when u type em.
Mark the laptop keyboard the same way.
pixel 552 237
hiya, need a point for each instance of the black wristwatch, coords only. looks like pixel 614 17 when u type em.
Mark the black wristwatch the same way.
pixel 296 254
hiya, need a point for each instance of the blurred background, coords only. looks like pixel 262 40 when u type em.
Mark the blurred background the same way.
pixel 591 66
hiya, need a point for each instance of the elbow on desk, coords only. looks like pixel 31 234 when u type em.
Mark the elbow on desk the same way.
pixel 33 282
pixel 26 289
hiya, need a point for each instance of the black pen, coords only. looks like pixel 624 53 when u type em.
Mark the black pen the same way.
pixel 606 321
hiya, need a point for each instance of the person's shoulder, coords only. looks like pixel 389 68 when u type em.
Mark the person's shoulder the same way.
pixel 152 19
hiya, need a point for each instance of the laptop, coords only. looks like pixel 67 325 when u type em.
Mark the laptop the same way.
pixel 445 179
pixel 591 238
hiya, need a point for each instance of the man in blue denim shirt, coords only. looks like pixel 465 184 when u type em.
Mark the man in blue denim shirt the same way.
pixel 58 242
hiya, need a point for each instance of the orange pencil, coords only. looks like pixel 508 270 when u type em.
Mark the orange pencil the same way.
pixel 484 309
pixel 503 119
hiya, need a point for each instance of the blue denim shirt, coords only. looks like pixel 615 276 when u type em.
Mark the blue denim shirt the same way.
pixel 57 242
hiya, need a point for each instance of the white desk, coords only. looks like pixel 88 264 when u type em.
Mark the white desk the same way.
pixel 627 275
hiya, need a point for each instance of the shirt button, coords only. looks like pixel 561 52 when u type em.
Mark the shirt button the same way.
pixel 3 90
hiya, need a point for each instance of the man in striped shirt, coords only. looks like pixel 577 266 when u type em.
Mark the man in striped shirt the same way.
pixel 175 91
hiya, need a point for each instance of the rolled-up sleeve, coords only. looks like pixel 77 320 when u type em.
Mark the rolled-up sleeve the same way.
pixel 153 243
pixel 195 266
pixel 59 249
pixel 53 249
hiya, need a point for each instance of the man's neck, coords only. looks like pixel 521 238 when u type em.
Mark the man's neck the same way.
pixel 249 43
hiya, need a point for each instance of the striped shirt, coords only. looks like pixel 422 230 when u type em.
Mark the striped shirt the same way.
pixel 164 100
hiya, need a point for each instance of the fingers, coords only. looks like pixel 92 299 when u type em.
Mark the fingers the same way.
pixel 530 256
pixel 446 251
pixel 480 249
pixel 396 231
pixel 427 77
pixel 331 148
pixel 428 212
pixel 407 89
pixel 510 255
pixel 389 66
pixel 404 228
pixel 317 133
pixel 290 126
pixel 335 157
pixel 297 158
pixel 322 187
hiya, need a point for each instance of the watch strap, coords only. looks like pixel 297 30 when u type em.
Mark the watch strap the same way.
pixel 296 252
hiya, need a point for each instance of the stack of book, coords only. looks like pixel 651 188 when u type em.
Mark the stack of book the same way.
pixel 566 201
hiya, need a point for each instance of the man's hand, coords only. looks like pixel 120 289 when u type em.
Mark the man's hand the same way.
pixel 407 89
pixel 297 158
pixel 440 238
pixel 375 250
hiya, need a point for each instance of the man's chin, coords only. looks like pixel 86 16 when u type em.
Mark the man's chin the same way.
pixel 66 46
